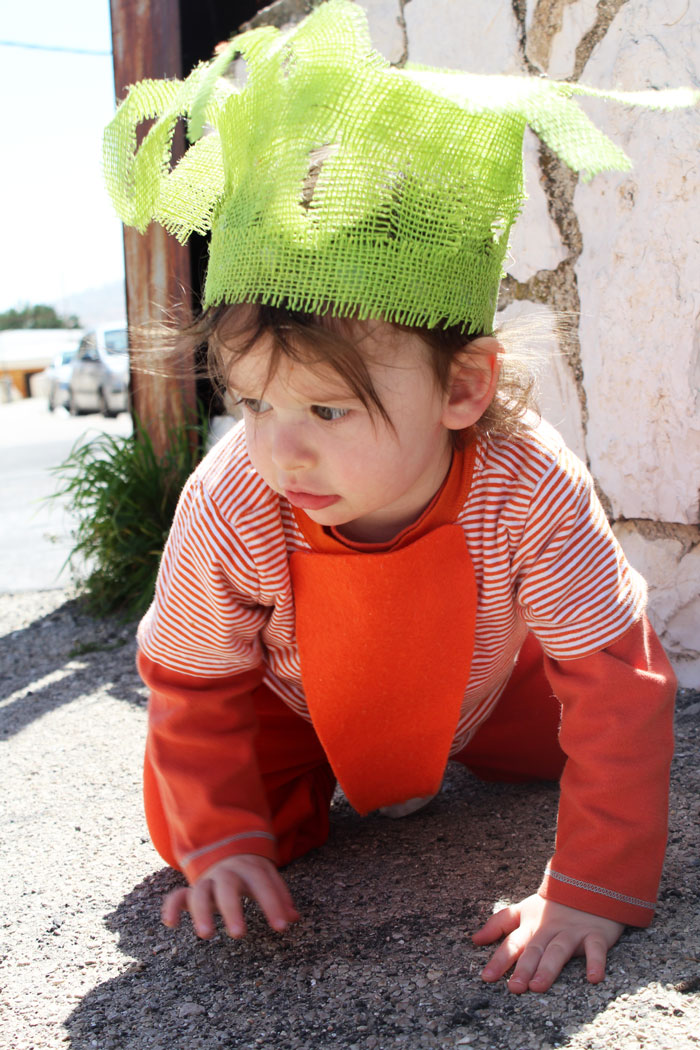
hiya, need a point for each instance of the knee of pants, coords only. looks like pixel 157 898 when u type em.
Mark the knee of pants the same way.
pixel 296 776
pixel 520 739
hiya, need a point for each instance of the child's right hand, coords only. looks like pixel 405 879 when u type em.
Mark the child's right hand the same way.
pixel 222 888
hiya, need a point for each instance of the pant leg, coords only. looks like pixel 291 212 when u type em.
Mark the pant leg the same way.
pixel 297 779
pixel 520 739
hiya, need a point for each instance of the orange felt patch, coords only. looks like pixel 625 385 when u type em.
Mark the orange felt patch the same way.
pixel 385 643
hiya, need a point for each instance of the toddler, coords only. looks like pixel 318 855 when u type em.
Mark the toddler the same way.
pixel 390 562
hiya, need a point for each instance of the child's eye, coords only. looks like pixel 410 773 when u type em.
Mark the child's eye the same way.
pixel 329 414
pixel 253 404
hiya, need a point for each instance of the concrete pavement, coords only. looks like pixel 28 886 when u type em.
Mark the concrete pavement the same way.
pixel 35 535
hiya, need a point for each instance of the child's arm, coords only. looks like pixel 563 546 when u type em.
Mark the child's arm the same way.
pixel 200 753
pixel 201 757
pixel 617 709
pixel 201 657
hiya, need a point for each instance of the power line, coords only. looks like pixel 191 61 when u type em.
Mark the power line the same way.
pixel 51 47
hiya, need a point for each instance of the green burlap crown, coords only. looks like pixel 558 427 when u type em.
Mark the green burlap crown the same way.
pixel 334 182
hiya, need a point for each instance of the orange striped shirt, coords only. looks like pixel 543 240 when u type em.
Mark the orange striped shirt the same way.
pixel 544 558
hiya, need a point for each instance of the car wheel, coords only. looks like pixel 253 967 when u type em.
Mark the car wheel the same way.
pixel 52 400
pixel 104 406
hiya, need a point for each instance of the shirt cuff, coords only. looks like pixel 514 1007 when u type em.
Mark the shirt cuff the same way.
pixel 596 900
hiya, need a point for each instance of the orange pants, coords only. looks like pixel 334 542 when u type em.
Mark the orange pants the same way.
pixel 518 742
pixel 520 739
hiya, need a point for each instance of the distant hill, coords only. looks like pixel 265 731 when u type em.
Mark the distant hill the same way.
pixel 95 306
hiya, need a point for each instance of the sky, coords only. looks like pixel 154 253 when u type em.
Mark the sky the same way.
pixel 59 233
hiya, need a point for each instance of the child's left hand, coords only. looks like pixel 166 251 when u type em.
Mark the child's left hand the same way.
pixel 540 938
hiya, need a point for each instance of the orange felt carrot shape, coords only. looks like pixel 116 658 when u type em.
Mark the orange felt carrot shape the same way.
pixel 385 643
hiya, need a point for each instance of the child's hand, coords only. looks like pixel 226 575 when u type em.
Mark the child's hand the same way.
pixel 540 937
pixel 222 887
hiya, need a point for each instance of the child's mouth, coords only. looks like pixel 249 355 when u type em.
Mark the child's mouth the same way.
pixel 308 500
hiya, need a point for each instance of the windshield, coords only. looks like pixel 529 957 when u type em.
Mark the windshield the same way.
pixel 116 341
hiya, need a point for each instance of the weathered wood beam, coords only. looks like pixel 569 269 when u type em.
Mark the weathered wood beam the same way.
pixel 146 43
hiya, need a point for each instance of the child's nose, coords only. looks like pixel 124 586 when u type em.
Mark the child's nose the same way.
pixel 290 448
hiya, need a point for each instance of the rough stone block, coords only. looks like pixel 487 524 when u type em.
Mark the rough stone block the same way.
pixel 669 560
pixel 535 242
pixel 480 38
pixel 385 28
pixel 638 275
pixel 554 30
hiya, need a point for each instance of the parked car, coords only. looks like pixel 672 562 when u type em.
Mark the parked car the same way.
pixel 55 379
pixel 99 379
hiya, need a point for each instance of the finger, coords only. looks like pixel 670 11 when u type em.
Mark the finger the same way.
pixel 228 900
pixel 286 900
pixel 503 958
pixel 200 907
pixel 275 901
pixel 525 968
pixel 499 925
pixel 548 967
pixel 596 952
pixel 173 904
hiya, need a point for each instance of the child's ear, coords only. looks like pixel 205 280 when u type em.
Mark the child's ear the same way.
pixel 472 384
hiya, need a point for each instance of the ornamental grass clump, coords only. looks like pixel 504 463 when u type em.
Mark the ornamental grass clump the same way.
pixel 123 496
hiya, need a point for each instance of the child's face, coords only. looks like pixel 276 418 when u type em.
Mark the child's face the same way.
pixel 313 441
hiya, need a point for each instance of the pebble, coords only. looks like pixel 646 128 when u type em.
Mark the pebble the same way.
pixel 190 1009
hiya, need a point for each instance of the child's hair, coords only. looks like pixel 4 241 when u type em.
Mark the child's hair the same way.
pixel 231 331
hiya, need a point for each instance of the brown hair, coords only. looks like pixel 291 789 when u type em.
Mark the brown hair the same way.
pixel 231 331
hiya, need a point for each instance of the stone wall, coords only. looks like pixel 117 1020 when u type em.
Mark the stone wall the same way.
pixel 619 256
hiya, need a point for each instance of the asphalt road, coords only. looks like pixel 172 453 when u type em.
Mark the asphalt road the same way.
pixel 382 958
pixel 35 535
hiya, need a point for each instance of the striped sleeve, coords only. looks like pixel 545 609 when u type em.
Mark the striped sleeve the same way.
pixel 575 588
pixel 206 618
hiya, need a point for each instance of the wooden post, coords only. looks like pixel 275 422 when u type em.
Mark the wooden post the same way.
pixel 146 43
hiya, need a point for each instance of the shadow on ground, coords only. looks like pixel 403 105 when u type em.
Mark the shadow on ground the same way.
pixel 382 957
pixel 64 655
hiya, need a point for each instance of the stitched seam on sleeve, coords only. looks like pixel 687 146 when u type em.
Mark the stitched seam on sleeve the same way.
pixel 224 842
pixel 599 889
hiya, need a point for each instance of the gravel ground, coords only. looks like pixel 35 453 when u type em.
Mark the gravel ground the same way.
pixel 382 958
